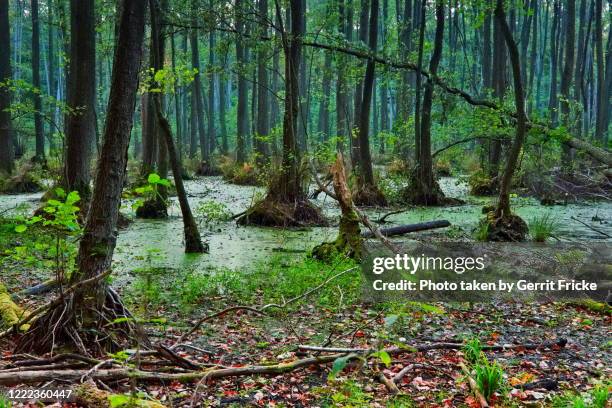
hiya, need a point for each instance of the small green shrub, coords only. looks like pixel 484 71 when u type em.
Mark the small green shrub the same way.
pixel 4 402
pixel 489 377
pixel 544 227
pixel 481 233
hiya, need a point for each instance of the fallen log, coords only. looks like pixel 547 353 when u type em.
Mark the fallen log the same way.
pixel 405 229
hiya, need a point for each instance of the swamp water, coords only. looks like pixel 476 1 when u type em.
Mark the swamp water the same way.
pixel 159 243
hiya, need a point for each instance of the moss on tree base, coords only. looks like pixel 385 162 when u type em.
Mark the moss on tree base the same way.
pixel 348 242
pixel 369 196
pixel 152 210
pixel 508 228
pixel 270 212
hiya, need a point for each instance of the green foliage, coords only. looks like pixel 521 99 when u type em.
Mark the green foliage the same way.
pixel 150 191
pixel 489 377
pixel 472 350
pixel 346 394
pixel 481 233
pixel 543 227
pixel 5 402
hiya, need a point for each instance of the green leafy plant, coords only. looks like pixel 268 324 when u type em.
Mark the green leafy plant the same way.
pixel 601 396
pixel 4 402
pixel 481 233
pixel 150 191
pixel 544 227
pixel 61 219
pixel 489 377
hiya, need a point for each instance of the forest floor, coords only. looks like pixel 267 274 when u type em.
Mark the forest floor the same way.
pixel 254 267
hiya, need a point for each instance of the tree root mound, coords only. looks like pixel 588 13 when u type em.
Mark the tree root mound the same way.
pixel 205 169
pixel 369 196
pixel 273 213
pixel 416 194
pixel 20 184
pixel 509 228
pixel 152 210
pixel 75 324
pixel 348 242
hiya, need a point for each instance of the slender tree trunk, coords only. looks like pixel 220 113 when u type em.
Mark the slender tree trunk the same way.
pixel 6 130
pixel 568 70
pixel 427 192
pixel 503 206
pixel 554 57
pixel 325 94
pixel 601 85
pixel 178 90
pixel 263 101
pixel 212 131
pixel 241 111
pixel 38 123
pixel 487 62
pixel 342 115
pixel 222 108
pixel 193 123
pixel 365 174
pixel 81 127
pixel 499 89
pixel 417 104
pixel 358 98
pixel 199 102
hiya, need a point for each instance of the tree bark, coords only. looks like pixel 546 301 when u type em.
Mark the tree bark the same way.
pixel 503 206
pixel 263 105
pixel 212 131
pixel 197 86
pixel 83 316
pixel 81 96
pixel 6 130
pixel 37 96
pixel 242 108
pixel 601 85
pixel 568 70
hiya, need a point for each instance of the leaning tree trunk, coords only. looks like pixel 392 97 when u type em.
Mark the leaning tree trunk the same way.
pixel 503 225
pixel 81 125
pixel 6 132
pixel 84 319
pixel 367 191
pixel 193 242
pixel 286 203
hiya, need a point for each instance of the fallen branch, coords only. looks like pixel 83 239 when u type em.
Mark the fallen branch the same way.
pixel 591 228
pixel 383 219
pixel 407 228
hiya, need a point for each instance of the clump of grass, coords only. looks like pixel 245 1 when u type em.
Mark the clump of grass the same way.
pixel 489 377
pixel 472 350
pixel 544 227
pixel 481 233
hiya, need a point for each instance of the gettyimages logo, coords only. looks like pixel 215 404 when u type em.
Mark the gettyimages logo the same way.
pixel 412 264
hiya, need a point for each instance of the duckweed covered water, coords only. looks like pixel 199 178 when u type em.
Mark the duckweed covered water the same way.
pixel 159 243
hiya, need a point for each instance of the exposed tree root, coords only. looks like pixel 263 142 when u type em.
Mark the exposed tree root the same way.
pixel 416 193
pixel 22 182
pixel 369 196
pixel 271 212
pixel 508 228
pixel 152 209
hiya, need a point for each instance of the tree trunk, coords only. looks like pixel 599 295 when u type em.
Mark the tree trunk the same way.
pixel 193 242
pixel 37 96
pixel 417 103
pixel 358 97
pixel 342 115
pixel 262 151
pixel 499 89
pixel 425 189
pixel 81 127
pixel 212 131
pixel 6 131
pixel 85 317
pixel 566 77
pixel 222 109
pixel 554 57
pixel 241 112
pixel 197 86
pixel 325 94
pixel 503 206
pixel 367 191
pixel 602 97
